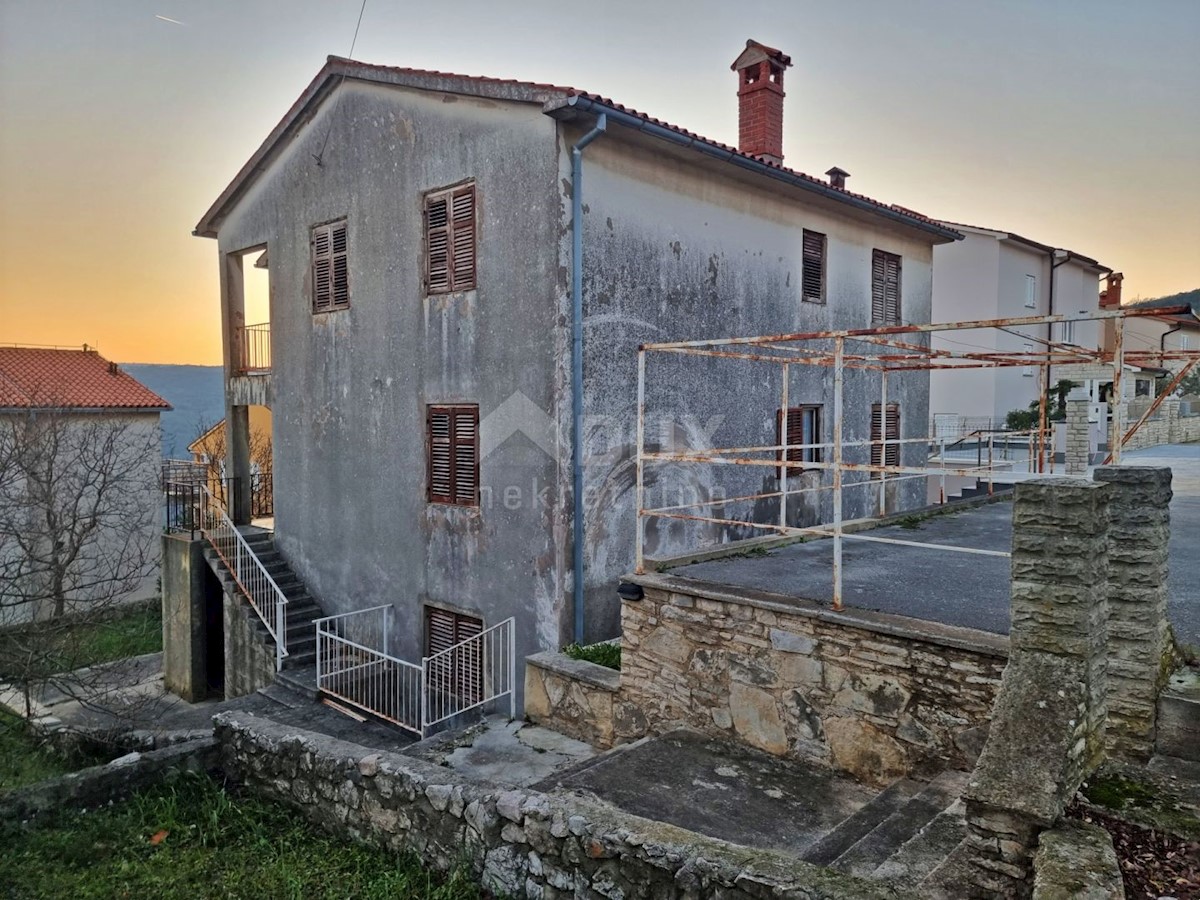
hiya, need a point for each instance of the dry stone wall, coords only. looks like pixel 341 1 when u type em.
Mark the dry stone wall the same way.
pixel 875 695
pixel 522 844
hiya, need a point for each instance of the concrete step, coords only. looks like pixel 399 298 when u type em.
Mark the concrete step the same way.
pixel 926 850
pixel 300 659
pixel 1179 716
pixel 874 848
pixel 852 829
pixel 299 678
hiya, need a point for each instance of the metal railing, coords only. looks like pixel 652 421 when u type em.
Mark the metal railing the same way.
pixel 355 666
pixel 255 348
pixel 476 671
pixel 208 516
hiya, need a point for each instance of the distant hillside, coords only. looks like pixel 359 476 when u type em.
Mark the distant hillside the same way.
pixel 197 394
pixel 1187 298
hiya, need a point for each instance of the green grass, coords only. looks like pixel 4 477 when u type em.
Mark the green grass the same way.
pixel 607 655
pixel 23 759
pixel 216 844
pixel 131 632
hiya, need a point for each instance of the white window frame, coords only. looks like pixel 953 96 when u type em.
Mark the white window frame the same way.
pixel 1027 347
pixel 1031 292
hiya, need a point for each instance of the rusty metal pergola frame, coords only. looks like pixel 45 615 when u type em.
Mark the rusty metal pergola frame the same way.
pixel 887 350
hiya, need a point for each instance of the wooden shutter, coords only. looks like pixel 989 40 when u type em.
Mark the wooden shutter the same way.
pixel 330 273
pixel 813 271
pixel 796 417
pixel 453 451
pixel 885 288
pixel 450 229
pixel 892 434
pixel 460 672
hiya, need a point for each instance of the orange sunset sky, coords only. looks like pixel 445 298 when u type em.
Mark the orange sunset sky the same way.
pixel 1074 122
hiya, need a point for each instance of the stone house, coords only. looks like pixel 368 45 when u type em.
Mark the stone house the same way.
pixel 994 274
pixel 80 508
pixel 457 292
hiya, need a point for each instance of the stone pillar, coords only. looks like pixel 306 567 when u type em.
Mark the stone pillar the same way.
pixel 184 623
pixel 1047 729
pixel 237 463
pixel 1139 639
pixel 1078 449
pixel 1170 412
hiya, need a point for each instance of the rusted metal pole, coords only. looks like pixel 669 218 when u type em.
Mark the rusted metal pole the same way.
pixel 1043 389
pixel 783 439
pixel 838 377
pixel 883 401
pixel 1118 392
pixel 1166 391
pixel 639 558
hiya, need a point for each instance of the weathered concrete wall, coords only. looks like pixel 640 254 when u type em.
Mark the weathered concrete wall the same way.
pixel 576 698
pixel 876 695
pixel 350 388
pixel 1140 653
pixel 249 663
pixel 522 844
pixel 1047 729
pixel 184 623
pixel 676 248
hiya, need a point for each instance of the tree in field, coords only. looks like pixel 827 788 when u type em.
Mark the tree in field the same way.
pixel 79 508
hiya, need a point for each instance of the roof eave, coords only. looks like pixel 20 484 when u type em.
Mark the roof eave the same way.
pixel 568 108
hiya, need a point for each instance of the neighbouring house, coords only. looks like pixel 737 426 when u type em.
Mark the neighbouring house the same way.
pixel 210 450
pixel 1170 332
pixel 79 499
pixel 994 274
pixel 461 271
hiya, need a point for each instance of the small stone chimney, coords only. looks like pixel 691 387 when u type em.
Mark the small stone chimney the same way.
pixel 1110 297
pixel 760 101
pixel 837 178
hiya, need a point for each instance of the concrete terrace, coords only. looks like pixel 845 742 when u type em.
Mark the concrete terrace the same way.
pixel 961 589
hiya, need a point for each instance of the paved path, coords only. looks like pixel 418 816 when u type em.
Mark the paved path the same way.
pixel 959 588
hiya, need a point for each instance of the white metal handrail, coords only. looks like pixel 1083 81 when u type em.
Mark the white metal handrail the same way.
pixel 355 666
pixel 352 667
pixel 252 577
pixel 473 672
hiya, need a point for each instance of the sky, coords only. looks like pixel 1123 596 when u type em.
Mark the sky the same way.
pixel 1073 122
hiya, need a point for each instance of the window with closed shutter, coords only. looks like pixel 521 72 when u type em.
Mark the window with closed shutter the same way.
pixel 813 272
pixel 881 433
pixel 452 434
pixel 330 268
pixel 803 427
pixel 450 239
pixel 454 667
pixel 885 288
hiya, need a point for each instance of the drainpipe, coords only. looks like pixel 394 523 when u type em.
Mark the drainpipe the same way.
pixel 577 366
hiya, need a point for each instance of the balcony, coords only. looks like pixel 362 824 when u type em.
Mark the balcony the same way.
pixel 252 349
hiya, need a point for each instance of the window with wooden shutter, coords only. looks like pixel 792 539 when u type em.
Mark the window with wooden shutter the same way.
pixel 881 432
pixel 452 434
pixel 813 272
pixel 454 671
pixel 330 269
pixel 885 288
pixel 803 427
pixel 450 239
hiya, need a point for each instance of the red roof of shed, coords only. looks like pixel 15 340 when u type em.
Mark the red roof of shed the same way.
pixel 35 377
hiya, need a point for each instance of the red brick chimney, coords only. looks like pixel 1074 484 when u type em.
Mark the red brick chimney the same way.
pixel 1110 297
pixel 760 101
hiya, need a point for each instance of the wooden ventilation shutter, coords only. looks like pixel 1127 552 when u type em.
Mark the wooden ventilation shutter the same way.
pixel 453 444
pixel 813 271
pixel 330 268
pixel 803 427
pixel 454 667
pixel 878 433
pixel 885 288
pixel 450 246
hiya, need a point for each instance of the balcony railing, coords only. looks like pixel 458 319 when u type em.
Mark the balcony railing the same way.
pixel 254 348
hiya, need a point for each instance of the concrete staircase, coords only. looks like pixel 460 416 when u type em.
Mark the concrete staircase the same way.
pixel 302 608
pixel 902 835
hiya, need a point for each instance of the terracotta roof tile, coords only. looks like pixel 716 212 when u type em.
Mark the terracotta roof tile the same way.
pixel 34 377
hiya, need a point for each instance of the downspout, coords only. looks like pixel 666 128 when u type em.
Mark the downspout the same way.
pixel 577 516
